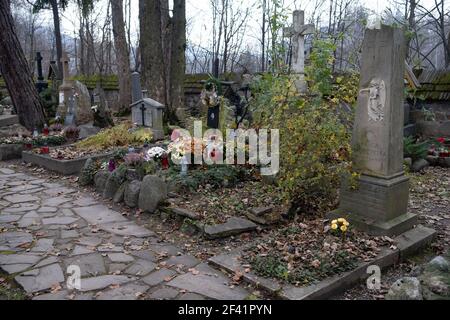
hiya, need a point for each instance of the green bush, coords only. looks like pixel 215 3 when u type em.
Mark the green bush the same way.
pixel 216 176
pixel 415 150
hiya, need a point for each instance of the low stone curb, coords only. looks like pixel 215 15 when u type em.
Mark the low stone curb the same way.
pixel 10 151
pixel 64 167
pixel 8 120
pixel 408 243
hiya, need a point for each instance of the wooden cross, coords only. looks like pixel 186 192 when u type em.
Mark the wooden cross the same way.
pixel 297 32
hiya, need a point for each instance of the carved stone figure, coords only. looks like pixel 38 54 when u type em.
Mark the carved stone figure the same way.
pixel 377 100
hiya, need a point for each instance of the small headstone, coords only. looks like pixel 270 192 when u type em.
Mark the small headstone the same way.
pixel 146 112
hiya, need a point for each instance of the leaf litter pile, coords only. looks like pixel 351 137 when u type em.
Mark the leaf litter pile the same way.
pixel 307 251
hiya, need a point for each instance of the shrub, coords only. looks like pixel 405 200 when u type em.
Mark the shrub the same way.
pixel 118 136
pixel 314 145
pixel 414 149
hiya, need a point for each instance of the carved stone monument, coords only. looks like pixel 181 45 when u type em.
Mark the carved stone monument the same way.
pixel 297 32
pixel 380 201
pixel 41 85
pixel 146 112
pixel 65 90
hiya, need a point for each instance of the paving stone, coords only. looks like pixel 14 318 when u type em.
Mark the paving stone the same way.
pixel 186 261
pixel 51 185
pixel 69 234
pixel 158 277
pixel 186 213
pixel 79 250
pixel 145 255
pixel 99 215
pixel 191 297
pixel 91 265
pixel 102 282
pixel 141 268
pixel 37 181
pixel 15 268
pixel 55 202
pixel 47 277
pixel 164 293
pixel 29 219
pixel 67 213
pixel 85 202
pixel 61 295
pixel 47 209
pixel 165 249
pixel 128 292
pixel 208 284
pixel 23 207
pixel 110 248
pixel 43 245
pixel 26 258
pixel 9 218
pixel 90 241
pixel 7 171
pixel 46 262
pixel 22 188
pixel 21 198
pixel 59 221
pixel 233 226
pixel 120 258
pixel 59 191
pixel 117 268
pixel 32 191
pixel 127 229
pixel 15 239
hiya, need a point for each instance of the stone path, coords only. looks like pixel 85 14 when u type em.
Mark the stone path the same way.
pixel 47 228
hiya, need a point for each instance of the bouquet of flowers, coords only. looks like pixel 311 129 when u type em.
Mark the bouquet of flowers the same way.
pixel 156 153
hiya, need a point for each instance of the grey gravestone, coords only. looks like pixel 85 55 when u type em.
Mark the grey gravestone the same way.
pixel 70 114
pixel 380 201
pixel 297 32
pixel 146 112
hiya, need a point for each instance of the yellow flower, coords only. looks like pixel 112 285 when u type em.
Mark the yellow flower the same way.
pixel 347 224
pixel 334 227
pixel 344 229
pixel 334 222
pixel 342 220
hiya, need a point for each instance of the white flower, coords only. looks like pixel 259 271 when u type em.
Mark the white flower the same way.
pixel 156 152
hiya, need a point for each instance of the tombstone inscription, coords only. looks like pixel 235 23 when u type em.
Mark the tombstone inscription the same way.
pixel 379 203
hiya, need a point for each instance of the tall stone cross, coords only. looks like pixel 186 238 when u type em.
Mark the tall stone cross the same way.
pixel 65 63
pixel 297 33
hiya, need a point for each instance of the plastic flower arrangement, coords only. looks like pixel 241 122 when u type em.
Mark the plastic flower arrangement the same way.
pixel 156 153
pixel 177 149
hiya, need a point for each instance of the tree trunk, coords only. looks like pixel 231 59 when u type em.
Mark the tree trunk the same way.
pixel 151 49
pixel 58 40
pixel 178 55
pixel 122 54
pixel 17 75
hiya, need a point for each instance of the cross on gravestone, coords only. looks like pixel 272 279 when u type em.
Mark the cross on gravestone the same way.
pixel 380 201
pixel 297 33
pixel 40 84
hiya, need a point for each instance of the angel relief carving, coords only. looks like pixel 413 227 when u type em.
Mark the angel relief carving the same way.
pixel 377 100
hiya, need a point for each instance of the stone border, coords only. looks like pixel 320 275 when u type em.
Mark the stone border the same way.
pixel 64 167
pixel 234 225
pixel 10 151
pixel 407 244
pixel 8 120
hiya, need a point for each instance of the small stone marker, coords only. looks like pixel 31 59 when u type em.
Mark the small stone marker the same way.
pixel 146 112
pixel 379 203
pixel 297 32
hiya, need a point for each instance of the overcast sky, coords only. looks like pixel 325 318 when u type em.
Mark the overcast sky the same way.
pixel 199 16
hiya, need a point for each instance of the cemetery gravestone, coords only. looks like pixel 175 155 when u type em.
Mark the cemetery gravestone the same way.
pixel 297 32
pixel 379 202
pixel 40 84
pixel 146 112
pixel 65 90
